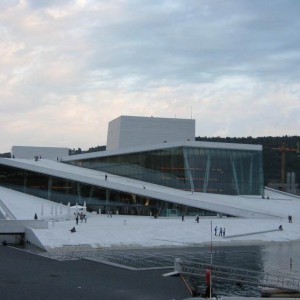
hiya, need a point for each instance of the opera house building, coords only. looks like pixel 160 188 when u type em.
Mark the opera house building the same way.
pixel 151 166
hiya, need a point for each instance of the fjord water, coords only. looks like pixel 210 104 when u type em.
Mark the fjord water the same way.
pixel 273 258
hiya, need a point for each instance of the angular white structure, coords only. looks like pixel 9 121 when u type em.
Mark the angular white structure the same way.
pixel 129 131
pixel 153 166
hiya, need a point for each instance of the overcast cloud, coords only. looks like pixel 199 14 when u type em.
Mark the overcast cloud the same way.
pixel 69 67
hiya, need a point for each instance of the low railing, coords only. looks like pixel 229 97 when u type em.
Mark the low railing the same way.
pixel 263 279
pixel 7 212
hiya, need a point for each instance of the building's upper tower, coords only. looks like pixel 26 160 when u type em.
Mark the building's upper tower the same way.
pixel 128 131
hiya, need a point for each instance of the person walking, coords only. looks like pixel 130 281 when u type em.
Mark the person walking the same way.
pixel 221 231
pixel 216 230
pixel 224 230
pixel 208 291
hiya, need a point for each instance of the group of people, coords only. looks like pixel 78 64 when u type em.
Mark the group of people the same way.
pixel 222 231
pixel 218 232
pixel 80 216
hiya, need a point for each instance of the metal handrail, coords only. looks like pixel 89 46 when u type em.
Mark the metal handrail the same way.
pixel 7 211
pixel 278 280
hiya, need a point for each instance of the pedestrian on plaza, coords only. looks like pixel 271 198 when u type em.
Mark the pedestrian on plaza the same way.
pixel 221 231
pixel 216 230
pixel 35 216
pixel 208 291
pixel 224 230
pixel 76 220
pixel 182 217
pixel 197 219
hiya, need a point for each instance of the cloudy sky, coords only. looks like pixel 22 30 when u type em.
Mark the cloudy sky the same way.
pixel 69 67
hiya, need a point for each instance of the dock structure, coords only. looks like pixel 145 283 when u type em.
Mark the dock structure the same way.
pixel 276 280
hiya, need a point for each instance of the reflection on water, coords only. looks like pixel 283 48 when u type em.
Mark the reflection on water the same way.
pixel 270 258
pixel 282 257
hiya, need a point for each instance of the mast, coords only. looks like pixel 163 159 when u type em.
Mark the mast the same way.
pixel 211 260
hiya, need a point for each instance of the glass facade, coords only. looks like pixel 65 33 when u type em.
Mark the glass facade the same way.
pixel 208 170
pixel 96 198
pixel 199 169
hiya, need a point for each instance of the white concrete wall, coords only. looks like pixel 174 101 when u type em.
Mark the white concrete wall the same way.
pixel 15 226
pixel 113 134
pixel 29 152
pixel 22 226
pixel 128 131
pixel 33 239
